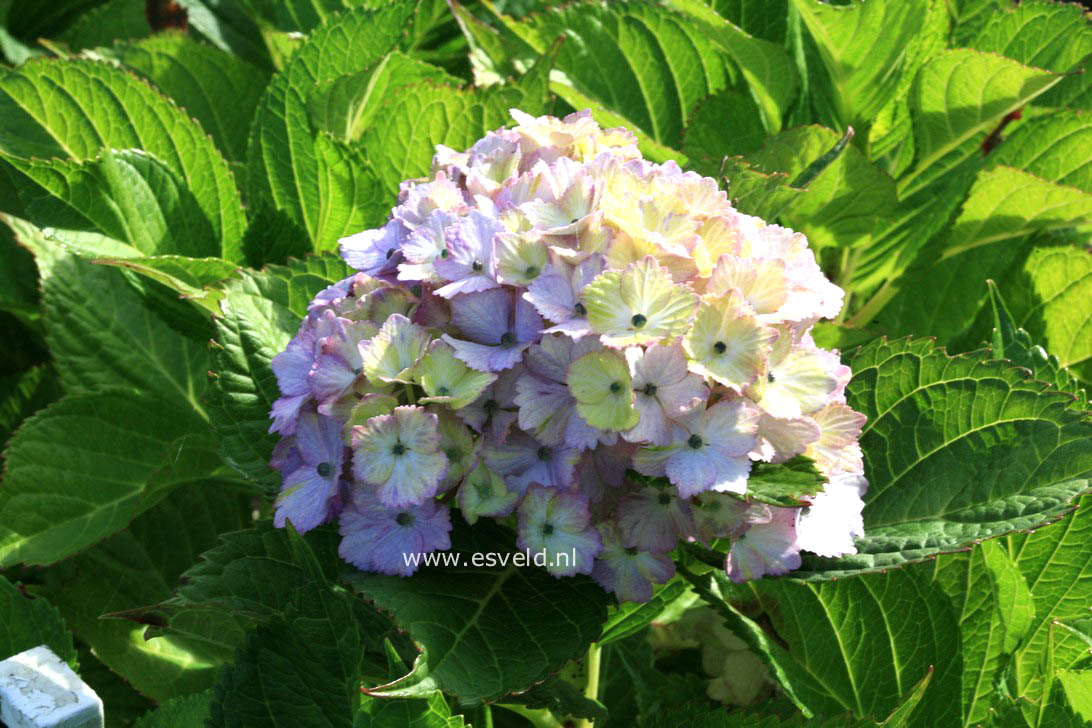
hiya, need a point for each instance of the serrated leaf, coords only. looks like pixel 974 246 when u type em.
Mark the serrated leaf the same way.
pixel 248 578
pixel 863 45
pixel 629 618
pixel 1056 147
pixel 321 185
pixel 84 467
pixel 125 203
pixel 200 79
pixel 958 96
pixel 116 343
pixel 138 566
pixel 1015 345
pixel 261 312
pixel 758 193
pixel 648 63
pixel 27 623
pixel 24 393
pixel 272 237
pixel 766 67
pixel 426 114
pixel 847 197
pixel 991 453
pixel 347 105
pixel 1048 293
pixel 190 278
pixel 186 710
pixel 230 26
pixel 994 608
pixel 853 649
pixel 430 712
pixel 1004 203
pixel 1057 563
pixel 788 484
pixel 490 631
pixel 45 112
pixel 303 669
pixel 106 23
pixel 1052 35
pixel 724 125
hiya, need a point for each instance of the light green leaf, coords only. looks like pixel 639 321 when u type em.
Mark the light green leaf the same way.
pixel 628 618
pixel 1014 344
pixel 864 48
pixel 125 203
pixel 788 484
pixel 723 125
pixel 766 67
pixel 186 710
pixel 347 105
pixel 430 712
pixel 990 452
pixel 189 277
pixel 1004 203
pixel 845 202
pixel 27 623
pixel 1056 561
pixel 487 632
pixel 321 185
pixel 961 95
pixel 648 63
pixel 1049 294
pixel 754 192
pixel 261 312
pixel 1077 685
pixel 855 648
pixel 139 566
pixel 103 337
pixel 1056 147
pixel 425 114
pixel 995 610
pixel 1044 34
pixel 216 88
pixel 45 111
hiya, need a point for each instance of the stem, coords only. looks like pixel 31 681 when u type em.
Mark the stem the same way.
pixel 591 687
pixel 411 398
pixel 487 715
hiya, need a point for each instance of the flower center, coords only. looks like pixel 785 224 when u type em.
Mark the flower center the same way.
pixel 638 320
pixel 631 550
pixel 544 453
pixel 580 310
pixel 695 442
pixel 615 387
pixel 650 389
pixel 720 347
pixel 770 377
pixel 477 266
pixel 443 391
pixel 325 470
pixel 453 454
pixel 531 271
pixel 490 406
pixel 444 254
pixel 664 499
pixel 398 449
pixel 404 519
pixel 390 252
pixel 547 529
pixel 507 339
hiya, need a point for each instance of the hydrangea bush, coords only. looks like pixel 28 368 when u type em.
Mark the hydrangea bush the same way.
pixel 515 364
pixel 544 320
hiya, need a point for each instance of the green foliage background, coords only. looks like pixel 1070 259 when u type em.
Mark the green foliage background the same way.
pixel 171 197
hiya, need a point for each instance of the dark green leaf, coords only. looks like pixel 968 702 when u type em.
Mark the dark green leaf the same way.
pixel 488 632
pixel 26 622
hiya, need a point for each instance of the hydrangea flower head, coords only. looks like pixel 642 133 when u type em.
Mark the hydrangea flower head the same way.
pixel 551 331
